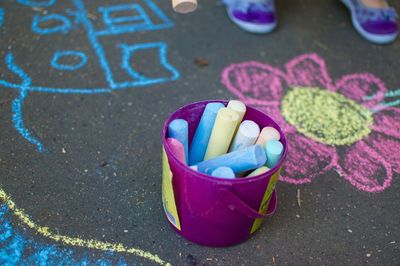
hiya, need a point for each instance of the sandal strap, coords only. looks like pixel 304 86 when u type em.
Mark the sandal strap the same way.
pixel 244 5
pixel 365 13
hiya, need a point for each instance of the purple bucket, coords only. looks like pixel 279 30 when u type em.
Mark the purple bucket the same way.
pixel 213 211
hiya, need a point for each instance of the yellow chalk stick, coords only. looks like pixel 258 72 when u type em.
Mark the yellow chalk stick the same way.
pixel 258 171
pixel 222 133
pixel 267 134
pixel 238 107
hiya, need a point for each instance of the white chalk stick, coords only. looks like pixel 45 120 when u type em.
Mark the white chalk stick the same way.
pixel 184 6
pixel 246 135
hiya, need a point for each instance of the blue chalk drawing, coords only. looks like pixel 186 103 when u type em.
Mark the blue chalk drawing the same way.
pixel 92 38
pixel 115 24
pixel 128 50
pixel 387 102
pixel 1 16
pixel 18 121
pixel 59 56
pixel 43 3
pixel 63 24
pixel 17 115
pixel 111 18
pixel 16 249
pixel 138 22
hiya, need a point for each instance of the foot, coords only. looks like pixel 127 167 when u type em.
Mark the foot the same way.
pixel 375 3
pixel 375 20
pixel 255 16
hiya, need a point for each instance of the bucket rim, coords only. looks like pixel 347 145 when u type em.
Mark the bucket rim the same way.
pixel 171 156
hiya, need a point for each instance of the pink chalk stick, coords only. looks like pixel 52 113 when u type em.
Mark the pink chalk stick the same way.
pixel 177 149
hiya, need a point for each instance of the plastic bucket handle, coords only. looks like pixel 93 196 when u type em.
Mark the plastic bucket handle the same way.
pixel 235 203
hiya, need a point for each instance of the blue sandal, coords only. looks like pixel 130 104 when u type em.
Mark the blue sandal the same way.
pixel 257 16
pixel 377 25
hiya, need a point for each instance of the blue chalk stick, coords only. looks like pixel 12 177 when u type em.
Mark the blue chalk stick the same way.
pixel 239 161
pixel 202 135
pixel 179 129
pixel 223 172
pixel 274 150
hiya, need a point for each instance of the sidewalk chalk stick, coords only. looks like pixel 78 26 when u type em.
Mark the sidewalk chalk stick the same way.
pixel 246 135
pixel 258 171
pixel 177 149
pixel 194 167
pixel 202 135
pixel 178 129
pixel 267 134
pixel 239 161
pixel 184 6
pixel 223 172
pixel 239 108
pixel 274 150
pixel 222 133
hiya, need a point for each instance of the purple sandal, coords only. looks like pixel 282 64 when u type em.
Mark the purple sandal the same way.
pixel 374 24
pixel 255 16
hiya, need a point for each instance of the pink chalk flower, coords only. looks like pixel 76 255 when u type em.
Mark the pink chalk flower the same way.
pixel 329 125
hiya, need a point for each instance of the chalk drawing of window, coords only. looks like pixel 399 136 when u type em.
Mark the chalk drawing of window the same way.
pixel 68 60
pixel 120 17
pixel 126 18
pixel 160 49
pixel 49 24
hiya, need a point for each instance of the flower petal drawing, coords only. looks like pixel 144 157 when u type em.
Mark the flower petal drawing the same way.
pixel 358 86
pixel 254 82
pixel 388 147
pixel 365 168
pixel 309 70
pixel 387 122
pixel 304 157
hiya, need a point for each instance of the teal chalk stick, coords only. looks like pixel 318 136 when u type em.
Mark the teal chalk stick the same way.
pixel 223 172
pixel 274 150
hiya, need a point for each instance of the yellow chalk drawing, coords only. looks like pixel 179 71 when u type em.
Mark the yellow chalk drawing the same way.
pixel 325 116
pixel 75 241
